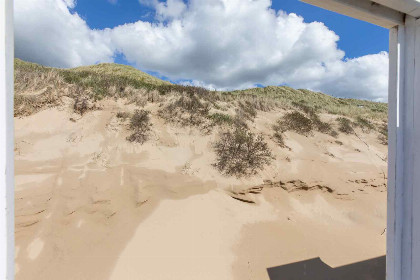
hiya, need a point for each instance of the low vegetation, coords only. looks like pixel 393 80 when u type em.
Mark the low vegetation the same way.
pixel 364 124
pixel 345 125
pixel 186 109
pixel 294 121
pixel 240 152
pixel 140 126
pixel 221 119
pixel 121 81
pixel 383 133
pixel 123 115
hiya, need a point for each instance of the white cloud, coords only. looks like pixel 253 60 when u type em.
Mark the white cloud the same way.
pixel 48 33
pixel 215 43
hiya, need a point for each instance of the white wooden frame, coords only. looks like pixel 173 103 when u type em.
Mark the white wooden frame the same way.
pixel 403 234
pixel 7 245
pixel 403 240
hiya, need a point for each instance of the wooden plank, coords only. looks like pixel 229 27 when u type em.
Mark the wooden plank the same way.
pixel 410 7
pixel 403 244
pixel 416 154
pixel 393 92
pixel 405 184
pixel 6 141
pixel 364 10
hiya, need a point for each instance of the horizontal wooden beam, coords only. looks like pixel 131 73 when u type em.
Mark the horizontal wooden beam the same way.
pixel 365 10
pixel 409 7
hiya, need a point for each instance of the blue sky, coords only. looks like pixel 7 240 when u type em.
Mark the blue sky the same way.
pixel 357 38
pixel 217 44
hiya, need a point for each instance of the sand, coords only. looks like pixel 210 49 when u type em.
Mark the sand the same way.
pixel 91 205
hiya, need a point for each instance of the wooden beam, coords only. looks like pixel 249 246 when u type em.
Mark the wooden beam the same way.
pixel 6 142
pixel 409 7
pixel 364 10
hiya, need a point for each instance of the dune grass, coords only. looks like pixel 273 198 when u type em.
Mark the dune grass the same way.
pixel 114 80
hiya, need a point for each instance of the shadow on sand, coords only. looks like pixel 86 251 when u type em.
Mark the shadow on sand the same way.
pixel 316 269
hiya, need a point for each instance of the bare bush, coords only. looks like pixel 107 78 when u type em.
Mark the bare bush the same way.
pixel 187 110
pixel 279 139
pixel 221 119
pixel 28 104
pixel 295 121
pixel 246 110
pixel 140 126
pixel 313 115
pixel 123 115
pixel 383 133
pixel 241 153
pixel 82 104
pixel 364 124
pixel 345 125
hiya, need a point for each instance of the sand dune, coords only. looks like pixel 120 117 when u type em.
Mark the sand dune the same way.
pixel 91 205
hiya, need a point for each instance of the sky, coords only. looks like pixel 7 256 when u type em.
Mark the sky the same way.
pixel 217 44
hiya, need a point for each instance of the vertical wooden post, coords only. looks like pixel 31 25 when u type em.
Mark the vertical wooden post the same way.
pixel 416 154
pixel 403 244
pixel 6 141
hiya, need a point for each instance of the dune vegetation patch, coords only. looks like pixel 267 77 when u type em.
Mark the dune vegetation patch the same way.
pixel 295 121
pixel 140 126
pixel 221 119
pixel 345 125
pixel 121 81
pixel 303 111
pixel 383 133
pixel 239 152
pixel 365 124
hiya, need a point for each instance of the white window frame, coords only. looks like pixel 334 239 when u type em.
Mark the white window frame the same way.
pixel 403 230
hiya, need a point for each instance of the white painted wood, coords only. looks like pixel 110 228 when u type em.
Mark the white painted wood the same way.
pixel 364 10
pixel 6 142
pixel 393 249
pixel 410 7
pixel 416 155
pixel 403 240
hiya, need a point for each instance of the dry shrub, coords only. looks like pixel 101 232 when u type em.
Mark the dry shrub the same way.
pixel 279 139
pixel 383 133
pixel 364 124
pixel 257 103
pixel 345 125
pixel 154 96
pixel 241 153
pixel 295 121
pixel 28 104
pixel 246 110
pixel 83 104
pixel 30 80
pixel 140 126
pixel 186 110
pixel 123 115
pixel 221 119
pixel 141 97
pixel 313 115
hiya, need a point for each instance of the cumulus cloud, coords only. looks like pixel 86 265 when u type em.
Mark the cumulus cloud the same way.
pixel 48 33
pixel 219 44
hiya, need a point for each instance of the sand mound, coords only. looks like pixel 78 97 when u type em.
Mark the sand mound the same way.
pixel 92 205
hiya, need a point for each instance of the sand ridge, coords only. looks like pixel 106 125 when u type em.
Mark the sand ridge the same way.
pixel 91 205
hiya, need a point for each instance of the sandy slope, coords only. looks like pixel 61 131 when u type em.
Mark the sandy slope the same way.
pixel 90 205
